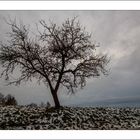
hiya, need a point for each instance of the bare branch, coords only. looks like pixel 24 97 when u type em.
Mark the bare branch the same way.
pixel 59 55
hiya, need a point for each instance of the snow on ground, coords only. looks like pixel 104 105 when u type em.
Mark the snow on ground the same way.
pixel 69 118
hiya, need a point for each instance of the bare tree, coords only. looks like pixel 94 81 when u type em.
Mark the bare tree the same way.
pixel 60 55
pixel 7 100
pixel 10 100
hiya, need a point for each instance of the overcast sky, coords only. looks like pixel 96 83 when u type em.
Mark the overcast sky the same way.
pixel 118 33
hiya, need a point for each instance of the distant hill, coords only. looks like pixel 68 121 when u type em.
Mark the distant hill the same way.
pixel 123 102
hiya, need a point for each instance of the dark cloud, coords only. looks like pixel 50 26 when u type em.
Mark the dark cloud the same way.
pixel 118 33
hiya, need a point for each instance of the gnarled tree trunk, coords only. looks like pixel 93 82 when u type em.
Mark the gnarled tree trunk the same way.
pixel 55 98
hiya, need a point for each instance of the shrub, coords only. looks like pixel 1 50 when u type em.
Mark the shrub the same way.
pixel 10 100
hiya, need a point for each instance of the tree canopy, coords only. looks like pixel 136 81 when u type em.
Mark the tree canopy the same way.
pixel 59 55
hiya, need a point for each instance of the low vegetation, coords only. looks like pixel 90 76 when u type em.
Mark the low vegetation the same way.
pixel 68 118
pixel 7 100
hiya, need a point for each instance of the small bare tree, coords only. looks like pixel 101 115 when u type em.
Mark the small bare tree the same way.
pixel 7 100
pixel 10 100
pixel 60 55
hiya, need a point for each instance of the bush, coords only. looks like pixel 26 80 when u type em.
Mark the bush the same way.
pixel 47 105
pixel 7 100
pixel 10 100
pixel 32 105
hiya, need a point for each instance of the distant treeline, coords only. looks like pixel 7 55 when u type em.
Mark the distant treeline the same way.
pixel 11 100
pixel 7 100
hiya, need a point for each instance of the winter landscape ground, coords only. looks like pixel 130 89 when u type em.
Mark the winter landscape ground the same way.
pixel 69 118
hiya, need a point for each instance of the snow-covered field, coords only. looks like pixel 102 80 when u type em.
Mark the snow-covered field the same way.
pixel 69 118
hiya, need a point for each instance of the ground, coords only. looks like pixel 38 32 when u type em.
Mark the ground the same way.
pixel 69 118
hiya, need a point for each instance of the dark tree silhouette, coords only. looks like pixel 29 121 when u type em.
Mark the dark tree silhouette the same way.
pixel 33 105
pixel 1 99
pixel 10 100
pixel 59 56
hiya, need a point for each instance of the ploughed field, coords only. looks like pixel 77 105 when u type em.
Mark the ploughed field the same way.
pixel 69 118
